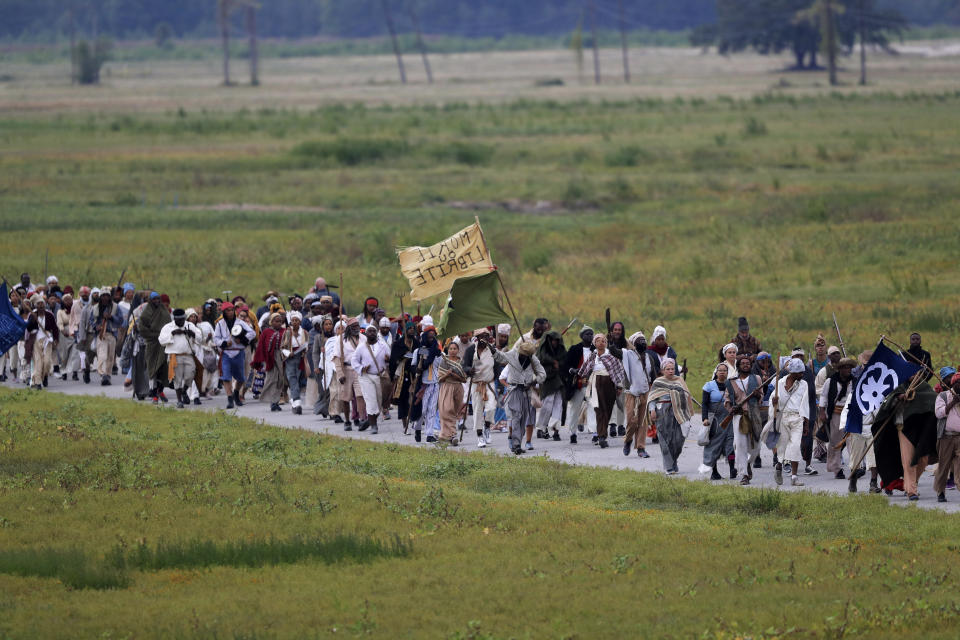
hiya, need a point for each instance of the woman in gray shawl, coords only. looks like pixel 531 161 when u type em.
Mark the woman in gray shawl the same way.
pixel 670 405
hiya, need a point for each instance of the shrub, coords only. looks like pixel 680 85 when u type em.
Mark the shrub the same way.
pixel 468 153
pixel 754 127
pixel 352 151
pixel 626 156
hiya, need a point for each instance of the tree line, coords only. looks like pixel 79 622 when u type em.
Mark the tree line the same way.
pixel 357 18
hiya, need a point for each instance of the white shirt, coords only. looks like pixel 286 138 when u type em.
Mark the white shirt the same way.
pixel 180 343
pixel 795 400
pixel 370 358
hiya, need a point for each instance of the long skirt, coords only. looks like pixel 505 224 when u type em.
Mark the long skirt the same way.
pixel 273 384
pixel 336 406
pixel 670 436
pixel 834 455
pixel 721 440
pixel 450 403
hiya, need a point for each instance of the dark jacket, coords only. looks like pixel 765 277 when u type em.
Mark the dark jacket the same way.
pixel 554 363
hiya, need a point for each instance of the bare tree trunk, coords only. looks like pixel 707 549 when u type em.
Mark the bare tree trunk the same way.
pixel 225 39
pixel 254 52
pixel 863 48
pixel 593 33
pixel 623 44
pixel 420 44
pixel 831 37
pixel 393 36
pixel 73 42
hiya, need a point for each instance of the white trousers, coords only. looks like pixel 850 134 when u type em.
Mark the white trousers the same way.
pixel 551 411
pixel 575 407
pixel 743 452
pixel 483 410
pixel 791 432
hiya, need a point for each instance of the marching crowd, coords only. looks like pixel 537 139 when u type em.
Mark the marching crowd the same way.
pixel 357 369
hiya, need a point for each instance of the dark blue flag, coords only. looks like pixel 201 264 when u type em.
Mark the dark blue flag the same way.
pixel 12 325
pixel 885 372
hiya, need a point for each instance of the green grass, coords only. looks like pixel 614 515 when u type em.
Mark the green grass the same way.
pixel 237 525
pixel 687 213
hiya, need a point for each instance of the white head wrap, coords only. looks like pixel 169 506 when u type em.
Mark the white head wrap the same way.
pixel 798 352
pixel 294 314
pixel 729 346
pixel 503 329
pixel 636 336
pixel 659 331
pixel 384 322
pixel 666 361
pixel 427 321
pixel 338 328
pixel 584 330
pixel 795 366
pixel 191 312
pixel 52 279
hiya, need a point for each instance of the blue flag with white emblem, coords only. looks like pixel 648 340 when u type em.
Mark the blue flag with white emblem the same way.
pixel 12 325
pixel 885 372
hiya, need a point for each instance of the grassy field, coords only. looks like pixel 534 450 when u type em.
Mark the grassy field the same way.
pixel 784 207
pixel 710 189
pixel 119 520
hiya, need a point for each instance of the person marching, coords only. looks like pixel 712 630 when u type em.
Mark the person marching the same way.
pixel 712 412
pixel 293 348
pixel 833 398
pixel 793 414
pixel 523 372
pixel 747 422
pixel 552 356
pixel 605 377
pixel 479 366
pixel 232 335
pixel 450 395
pixel 179 339
pixel 577 355
pixel 670 405
pixel 638 366
pixel 268 357
pixel 369 360
pixel 403 371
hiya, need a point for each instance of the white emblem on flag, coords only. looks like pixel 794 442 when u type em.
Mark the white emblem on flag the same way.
pixel 874 385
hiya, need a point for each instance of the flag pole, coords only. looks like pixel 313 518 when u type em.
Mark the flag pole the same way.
pixel 507 298
pixel 506 295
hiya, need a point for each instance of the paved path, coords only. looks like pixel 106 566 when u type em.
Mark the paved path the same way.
pixel 583 453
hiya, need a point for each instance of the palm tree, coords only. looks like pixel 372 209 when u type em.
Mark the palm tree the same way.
pixel 224 8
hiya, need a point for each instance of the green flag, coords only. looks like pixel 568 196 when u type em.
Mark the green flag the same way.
pixel 472 304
